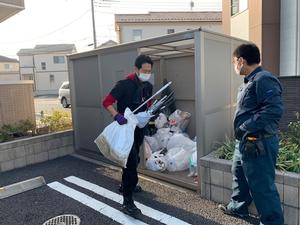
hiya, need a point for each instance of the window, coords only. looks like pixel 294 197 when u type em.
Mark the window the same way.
pixel 7 66
pixel 66 86
pixel 238 6
pixel 43 64
pixel 170 31
pixel 51 77
pixel 136 35
pixel 58 59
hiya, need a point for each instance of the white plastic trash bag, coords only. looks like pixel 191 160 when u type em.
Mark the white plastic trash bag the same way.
pixel 179 120
pixel 153 142
pixel 115 142
pixel 163 135
pixel 143 118
pixel 180 140
pixel 156 162
pixel 161 121
pixel 178 161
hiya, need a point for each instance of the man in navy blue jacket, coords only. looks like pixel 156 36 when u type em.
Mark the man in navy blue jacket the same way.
pixel 259 109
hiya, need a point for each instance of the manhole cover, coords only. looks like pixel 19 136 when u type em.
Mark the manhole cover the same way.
pixel 63 220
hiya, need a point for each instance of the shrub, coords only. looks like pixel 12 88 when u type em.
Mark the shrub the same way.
pixel 57 121
pixel 289 149
pixel 22 128
pixel 225 150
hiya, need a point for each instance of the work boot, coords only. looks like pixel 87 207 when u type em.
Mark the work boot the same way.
pixel 231 212
pixel 130 208
pixel 137 189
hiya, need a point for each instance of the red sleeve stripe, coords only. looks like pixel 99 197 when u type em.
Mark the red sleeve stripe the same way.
pixel 108 100
pixel 149 103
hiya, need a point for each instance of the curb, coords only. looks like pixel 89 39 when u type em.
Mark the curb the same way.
pixel 21 187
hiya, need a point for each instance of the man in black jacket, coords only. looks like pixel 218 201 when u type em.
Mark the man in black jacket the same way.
pixel 131 92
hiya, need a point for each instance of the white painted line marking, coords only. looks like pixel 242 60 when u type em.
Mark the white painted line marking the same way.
pixel 104 209
pixel 147 211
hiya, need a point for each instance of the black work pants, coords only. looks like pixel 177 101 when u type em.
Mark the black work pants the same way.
pixel 130 176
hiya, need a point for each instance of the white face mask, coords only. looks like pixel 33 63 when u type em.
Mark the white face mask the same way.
pixel 144 76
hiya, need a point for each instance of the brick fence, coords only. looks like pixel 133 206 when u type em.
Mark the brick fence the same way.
pixel 291 99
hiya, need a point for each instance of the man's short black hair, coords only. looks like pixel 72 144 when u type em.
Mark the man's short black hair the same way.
pixel 142 59
pixel 250 52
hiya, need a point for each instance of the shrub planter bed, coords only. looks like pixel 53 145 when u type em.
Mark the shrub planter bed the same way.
pixel 28 151
pixel 216 180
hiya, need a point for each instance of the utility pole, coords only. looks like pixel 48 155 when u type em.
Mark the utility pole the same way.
pixel 192 4
pixel 94 29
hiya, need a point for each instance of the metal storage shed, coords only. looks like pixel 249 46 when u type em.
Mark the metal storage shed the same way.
pixel 198 62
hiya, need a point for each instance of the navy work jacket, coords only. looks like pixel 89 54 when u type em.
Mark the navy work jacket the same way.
pixel 259 104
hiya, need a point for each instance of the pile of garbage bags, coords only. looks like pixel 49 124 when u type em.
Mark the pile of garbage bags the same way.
pixel 170 148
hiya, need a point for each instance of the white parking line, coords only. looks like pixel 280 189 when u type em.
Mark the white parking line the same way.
pixel 104 209
pixel 147 211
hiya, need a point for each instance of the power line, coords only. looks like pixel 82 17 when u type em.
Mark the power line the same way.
pixel 50 33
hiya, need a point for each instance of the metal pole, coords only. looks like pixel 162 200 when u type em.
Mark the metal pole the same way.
pixel 94 29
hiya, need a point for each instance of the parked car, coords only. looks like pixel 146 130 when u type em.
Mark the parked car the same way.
pixel 64 94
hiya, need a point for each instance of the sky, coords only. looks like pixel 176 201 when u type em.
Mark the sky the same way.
pixel 70 21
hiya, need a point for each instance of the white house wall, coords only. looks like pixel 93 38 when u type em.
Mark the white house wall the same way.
pixel 42 77
pixel 290 38
pixel 43 84
pixel 11 73
pixel 26 65
pixel 158 29
pixel 9 77
pixel 26 61
pixel 50 65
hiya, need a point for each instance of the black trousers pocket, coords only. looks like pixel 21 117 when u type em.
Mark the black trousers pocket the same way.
pixel 254 149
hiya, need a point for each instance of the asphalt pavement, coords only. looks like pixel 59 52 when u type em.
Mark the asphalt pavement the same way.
pixel 90 191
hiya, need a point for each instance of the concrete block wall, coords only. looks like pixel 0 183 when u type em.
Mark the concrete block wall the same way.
pixel 216 180
pixel 24 152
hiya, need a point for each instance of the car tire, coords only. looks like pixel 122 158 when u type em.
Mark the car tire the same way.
pixel 64 103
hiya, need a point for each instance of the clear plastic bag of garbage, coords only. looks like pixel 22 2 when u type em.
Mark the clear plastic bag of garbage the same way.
pixel 115 141
pixel 143 118
pixel 153 143
pixel 157 162
pixel 163 135
pixel 179 120
pixel 178 161
pixel 161 121
pixel 180 140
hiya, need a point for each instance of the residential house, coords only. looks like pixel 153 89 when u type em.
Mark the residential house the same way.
pixel 273 25
pixel 46 65
pixel 134 27
pixel 9 69
pixel 9 8
pixel 15 96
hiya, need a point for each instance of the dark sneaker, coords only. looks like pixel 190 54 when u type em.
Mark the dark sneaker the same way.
pixel 137 189
pixel 131 210
pixel 230 212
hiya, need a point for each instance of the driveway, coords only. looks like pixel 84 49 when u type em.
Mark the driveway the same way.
pixel 90 191
pixel 47 104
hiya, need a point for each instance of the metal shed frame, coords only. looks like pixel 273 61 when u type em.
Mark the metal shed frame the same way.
pixel 204 46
